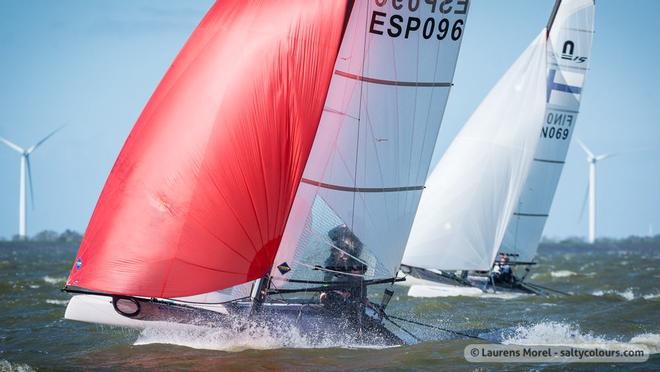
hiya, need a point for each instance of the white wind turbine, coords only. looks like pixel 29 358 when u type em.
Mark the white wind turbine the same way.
pixel 25 163
pixel 592 160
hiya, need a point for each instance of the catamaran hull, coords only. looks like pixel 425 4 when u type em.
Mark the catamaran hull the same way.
pixel 427 283
pixel 311 321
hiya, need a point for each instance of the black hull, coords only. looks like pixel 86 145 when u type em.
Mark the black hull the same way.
pixel 358 326
pixel 481 282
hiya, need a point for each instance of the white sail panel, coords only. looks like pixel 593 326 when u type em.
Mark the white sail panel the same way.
pixel 375 140
pixel 473 190
pixel 570 41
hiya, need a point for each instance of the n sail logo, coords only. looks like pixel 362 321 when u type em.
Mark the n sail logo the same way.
pixel 567 52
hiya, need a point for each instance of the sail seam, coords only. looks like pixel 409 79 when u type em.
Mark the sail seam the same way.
pixel 366 79
pixel 361 189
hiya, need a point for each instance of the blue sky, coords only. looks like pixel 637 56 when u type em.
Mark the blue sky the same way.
pixel 94 64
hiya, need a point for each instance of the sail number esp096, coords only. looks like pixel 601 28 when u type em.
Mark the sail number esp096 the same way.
pixel 385 20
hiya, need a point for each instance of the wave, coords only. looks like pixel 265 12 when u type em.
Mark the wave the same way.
pixel 651 296
pixel 443 291
pixel 562 274
pixel 54 280
pixel 431 291
pixel 57 302
pixel 6 365
pixel 562 334
pixel 650 340
pixel 628 294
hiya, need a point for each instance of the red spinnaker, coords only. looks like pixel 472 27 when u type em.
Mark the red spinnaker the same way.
pixel 198 198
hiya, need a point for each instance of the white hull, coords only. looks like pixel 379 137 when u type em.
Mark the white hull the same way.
pixel 100 310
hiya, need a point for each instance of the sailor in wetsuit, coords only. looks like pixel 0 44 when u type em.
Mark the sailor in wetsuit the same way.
pixel 343 258
pixel 502 271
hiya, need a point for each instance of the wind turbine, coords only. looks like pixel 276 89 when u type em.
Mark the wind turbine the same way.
pixel 25 163
pixel 592 160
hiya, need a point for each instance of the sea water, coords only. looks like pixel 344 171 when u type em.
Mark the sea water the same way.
pixel 615 303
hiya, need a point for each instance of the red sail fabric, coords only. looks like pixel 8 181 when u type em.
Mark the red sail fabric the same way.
pixel 198 198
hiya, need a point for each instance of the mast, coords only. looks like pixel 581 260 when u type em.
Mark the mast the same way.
pixel 553 15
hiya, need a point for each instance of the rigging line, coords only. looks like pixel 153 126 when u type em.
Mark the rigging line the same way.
pixel 331 110
pixel 391 281
pixel 438 328
pixel 359 117
pixel 374 143
pixel 320 268
pixel 403 329
pixel 413 120
pixel 517 225
pixel 206 303
pixel 271 284
pixel 397 170
pixel 547 289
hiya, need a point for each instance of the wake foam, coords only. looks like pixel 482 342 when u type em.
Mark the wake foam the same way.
pixel 57 302
pixel 443 291
pixel 562 274
pixel 8 366
pixel 561 334
pixel 54 280
pixel 431 291
pixel 628 294
pixel 249 336
pixel 652 296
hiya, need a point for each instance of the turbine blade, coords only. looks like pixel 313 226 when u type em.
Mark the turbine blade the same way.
pixel 626 152
pixel 29 174
pixel 605 156
pixel 585 148
pixel 584 202
pixel 639 149
pixel 12 145
pixel 29 150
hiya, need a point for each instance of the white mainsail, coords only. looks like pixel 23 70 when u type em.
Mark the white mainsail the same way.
pixel 370 158
pixel 571 37
pixel 474 189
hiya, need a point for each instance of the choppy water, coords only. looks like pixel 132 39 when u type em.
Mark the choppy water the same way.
pixel 616 301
